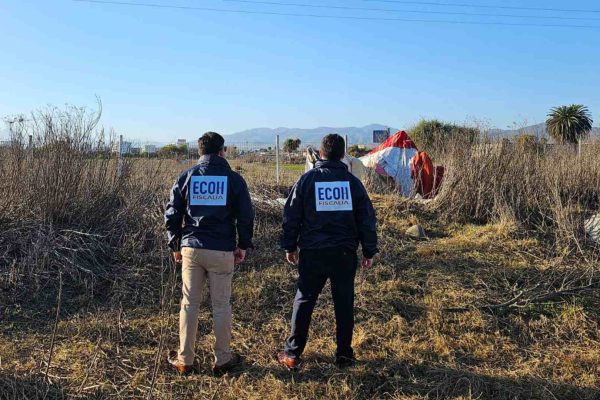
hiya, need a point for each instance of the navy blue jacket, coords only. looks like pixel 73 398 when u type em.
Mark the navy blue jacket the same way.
pixel 209 202
pixel 329 207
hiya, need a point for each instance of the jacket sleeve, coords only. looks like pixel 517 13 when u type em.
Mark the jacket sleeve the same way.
pixel 366 221
pixel 244 215
pixel 174 213
pixel 293 214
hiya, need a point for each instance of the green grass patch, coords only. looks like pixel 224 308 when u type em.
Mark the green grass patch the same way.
pixel 294 167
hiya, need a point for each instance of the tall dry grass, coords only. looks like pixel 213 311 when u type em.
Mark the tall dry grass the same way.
pixel 549 190
pixel 64 206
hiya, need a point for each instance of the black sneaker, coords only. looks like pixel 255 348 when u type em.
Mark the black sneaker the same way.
pixel 345 362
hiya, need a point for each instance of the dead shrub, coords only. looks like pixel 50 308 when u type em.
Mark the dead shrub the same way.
pixel 548 191
pixel 65 205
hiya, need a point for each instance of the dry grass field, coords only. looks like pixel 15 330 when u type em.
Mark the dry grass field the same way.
pixel 501 302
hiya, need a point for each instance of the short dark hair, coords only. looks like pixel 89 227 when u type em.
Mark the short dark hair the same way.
pixel 333 147
pixel 210 143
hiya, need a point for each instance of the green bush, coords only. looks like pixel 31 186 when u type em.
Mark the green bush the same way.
pixel 433 135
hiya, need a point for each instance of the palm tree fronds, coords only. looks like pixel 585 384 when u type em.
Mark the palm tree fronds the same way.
pixel 569 124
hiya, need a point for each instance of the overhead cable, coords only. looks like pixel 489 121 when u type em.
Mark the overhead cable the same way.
pixel 339 17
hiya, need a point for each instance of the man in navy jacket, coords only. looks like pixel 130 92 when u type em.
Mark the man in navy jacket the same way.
pixel 209 204
pixel 326 216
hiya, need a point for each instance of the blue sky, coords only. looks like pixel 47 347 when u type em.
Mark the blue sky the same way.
pixel 167 73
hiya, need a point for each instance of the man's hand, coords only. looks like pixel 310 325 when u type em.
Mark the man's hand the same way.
pixel 178 257
pixel 292 257
pixel 367 262
pixel 239 256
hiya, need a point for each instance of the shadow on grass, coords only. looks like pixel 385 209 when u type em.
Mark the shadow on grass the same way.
pixel 382 378
pixel 30 387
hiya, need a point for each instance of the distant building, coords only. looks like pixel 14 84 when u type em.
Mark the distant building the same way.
pixel 149 149
pixel 381 136
pixel 135 151
pixel 181 142
pixel 125 147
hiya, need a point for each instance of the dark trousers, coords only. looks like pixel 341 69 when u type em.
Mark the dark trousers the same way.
pixel 315 267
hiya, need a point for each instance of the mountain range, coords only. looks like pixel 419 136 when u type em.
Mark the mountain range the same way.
pixel 363 135
pixel 308 136
pixel 538 130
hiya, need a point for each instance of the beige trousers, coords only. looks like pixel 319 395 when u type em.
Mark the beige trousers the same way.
pixel 199 266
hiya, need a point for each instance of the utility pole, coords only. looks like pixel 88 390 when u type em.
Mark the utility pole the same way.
pixel 120 157
pixel 277 157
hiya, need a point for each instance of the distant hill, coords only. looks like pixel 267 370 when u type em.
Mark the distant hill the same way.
pixel 307 136
pixel 356 135
pixel 361 135
pixel 537 130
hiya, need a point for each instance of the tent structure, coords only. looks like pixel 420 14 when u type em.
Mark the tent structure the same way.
pixel 398 158
pixel 393 158
pixel 427 178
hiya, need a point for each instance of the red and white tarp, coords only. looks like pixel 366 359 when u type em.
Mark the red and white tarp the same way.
pixel 393 158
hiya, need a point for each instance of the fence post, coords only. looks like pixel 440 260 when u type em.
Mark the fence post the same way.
pixel 346 143
pixel 120 157
pixel 277 157
pixel 579 148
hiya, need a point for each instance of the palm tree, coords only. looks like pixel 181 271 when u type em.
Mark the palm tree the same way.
pixel 569 124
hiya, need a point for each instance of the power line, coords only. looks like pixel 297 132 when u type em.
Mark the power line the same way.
pixel 340 17
pixel 275 3
pixel 445 4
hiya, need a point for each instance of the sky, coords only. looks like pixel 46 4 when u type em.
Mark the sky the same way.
pixel 164 73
